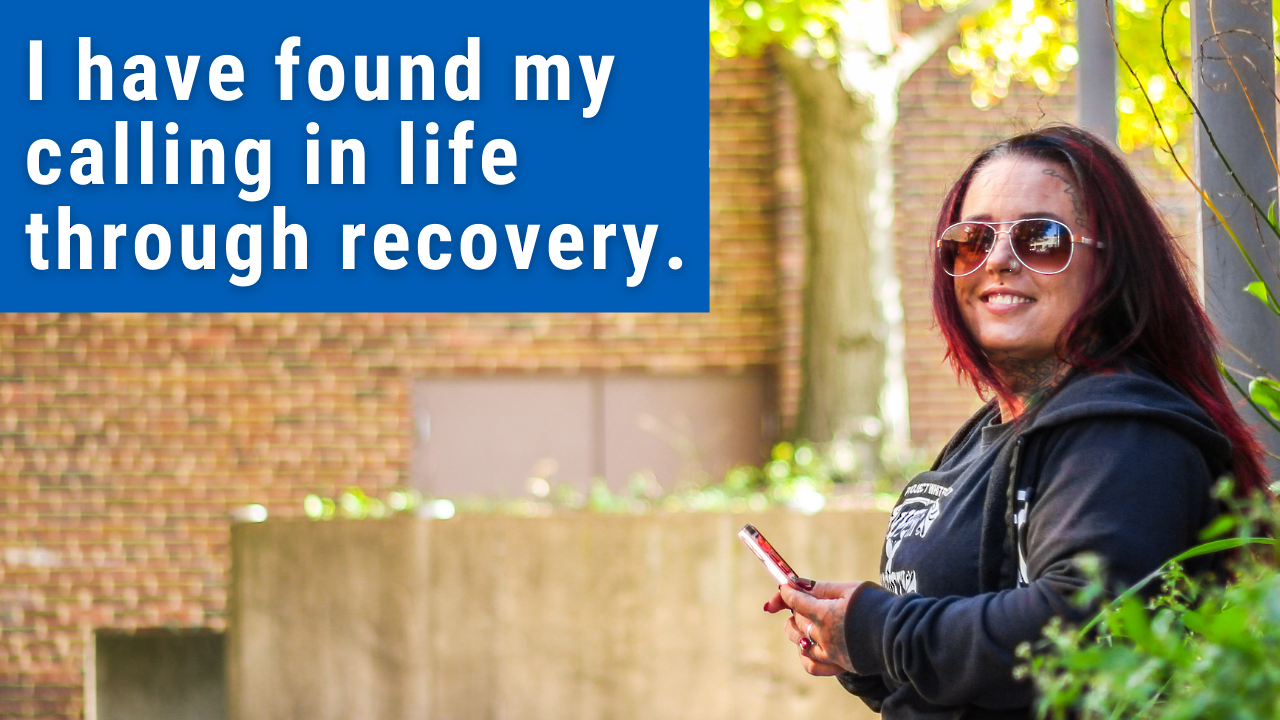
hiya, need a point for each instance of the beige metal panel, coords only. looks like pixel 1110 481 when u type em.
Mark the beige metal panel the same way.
pixel 686 429
pixel 487 436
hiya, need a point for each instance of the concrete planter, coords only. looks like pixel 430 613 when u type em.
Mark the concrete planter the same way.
pixel 585 616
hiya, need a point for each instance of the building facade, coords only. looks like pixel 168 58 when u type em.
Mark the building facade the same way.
pixel 127 441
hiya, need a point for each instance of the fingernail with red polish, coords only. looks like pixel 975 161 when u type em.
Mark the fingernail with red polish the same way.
pixel 766 607
pixel 805 643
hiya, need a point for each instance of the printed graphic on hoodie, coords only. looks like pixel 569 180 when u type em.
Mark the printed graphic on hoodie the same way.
pixel 912 517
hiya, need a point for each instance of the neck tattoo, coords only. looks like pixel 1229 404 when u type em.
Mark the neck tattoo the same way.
pixel 1028 379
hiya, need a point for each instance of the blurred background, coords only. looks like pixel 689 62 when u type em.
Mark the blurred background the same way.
pixel 131 444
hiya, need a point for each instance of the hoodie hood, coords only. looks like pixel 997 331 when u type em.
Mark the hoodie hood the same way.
pixel 1135 392
pixel 1130 390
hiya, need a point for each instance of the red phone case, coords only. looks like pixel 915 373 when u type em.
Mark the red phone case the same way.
pixel 773 562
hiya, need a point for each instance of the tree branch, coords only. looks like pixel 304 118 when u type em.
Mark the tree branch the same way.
pixel 921 45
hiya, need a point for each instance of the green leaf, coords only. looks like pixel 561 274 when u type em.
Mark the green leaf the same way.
pixel 1259 290
pixel 1271 214
pixel 1215 546
pixel 1134 623
pixel 1265 393
pixel 1227 627
pixel 1194 621
pixel 1223 525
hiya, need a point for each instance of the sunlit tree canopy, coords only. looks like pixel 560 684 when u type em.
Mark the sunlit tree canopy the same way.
pixel 748 26
pixel 1034 42
pixel 1030 41
pixel 1143 68
pixel 1026 41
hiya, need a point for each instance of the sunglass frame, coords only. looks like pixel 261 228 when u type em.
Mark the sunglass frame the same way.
pixel 1096 244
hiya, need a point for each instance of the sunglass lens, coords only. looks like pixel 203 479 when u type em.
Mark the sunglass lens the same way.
pixel 1042 245
pixel 964 247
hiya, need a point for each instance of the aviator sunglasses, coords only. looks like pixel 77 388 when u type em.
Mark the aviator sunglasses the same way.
pixel 1040 244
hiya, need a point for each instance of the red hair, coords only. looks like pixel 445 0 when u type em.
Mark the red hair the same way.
pixel 1140 301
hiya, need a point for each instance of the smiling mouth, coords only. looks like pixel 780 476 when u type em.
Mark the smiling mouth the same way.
pixel 1003 299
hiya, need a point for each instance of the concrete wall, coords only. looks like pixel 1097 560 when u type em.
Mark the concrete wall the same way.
pixel 159 675
pixel 655 616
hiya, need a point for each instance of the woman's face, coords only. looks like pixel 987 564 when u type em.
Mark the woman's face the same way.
pixel 1015 312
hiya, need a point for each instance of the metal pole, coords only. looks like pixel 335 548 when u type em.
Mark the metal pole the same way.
pixel 1096 72
pixel 1233 62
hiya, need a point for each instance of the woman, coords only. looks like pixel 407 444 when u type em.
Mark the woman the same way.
pixel 1060 292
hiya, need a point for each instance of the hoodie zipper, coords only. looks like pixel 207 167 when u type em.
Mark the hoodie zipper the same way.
pixel 1022 504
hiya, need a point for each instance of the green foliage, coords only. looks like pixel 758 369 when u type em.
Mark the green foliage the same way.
pixel 1198 648
pixel 1258 289
pixel 354 504
pixel 803 476
pixel 1030 41
pixel 1027 41
pixel 747 27
pixel 1034 42
pixel 1265 393
pixel 1145 33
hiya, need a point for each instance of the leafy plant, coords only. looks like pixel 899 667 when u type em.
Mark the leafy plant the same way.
pixel 801 476
pixel 1195 649
pixel 1034 42
pixel 747 27
pixel 353 503
pixel 1027 41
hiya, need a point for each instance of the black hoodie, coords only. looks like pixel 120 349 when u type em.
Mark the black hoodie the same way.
pixel 1118 464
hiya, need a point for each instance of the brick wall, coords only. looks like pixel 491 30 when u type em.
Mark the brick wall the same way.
pixel 125 440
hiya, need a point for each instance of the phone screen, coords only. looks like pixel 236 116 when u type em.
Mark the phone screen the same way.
pixel 773 562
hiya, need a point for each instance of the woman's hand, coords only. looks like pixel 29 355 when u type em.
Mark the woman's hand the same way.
pixel 817 624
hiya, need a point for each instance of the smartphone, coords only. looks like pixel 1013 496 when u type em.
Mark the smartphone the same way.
pixel 773 562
